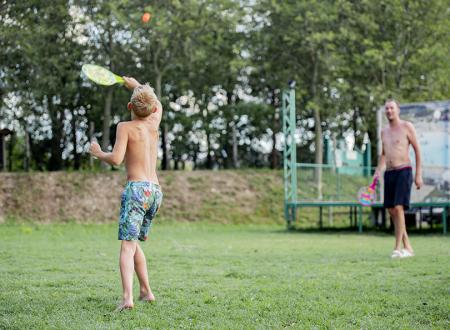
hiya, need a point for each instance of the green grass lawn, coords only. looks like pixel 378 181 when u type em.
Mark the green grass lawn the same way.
pixel 222 277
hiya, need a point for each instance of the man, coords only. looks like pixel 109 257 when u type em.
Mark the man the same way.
pixel 137 143
pixel 396 139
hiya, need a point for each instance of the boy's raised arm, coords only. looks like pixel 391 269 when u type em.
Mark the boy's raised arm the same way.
pixel 130 82
pixel 157 114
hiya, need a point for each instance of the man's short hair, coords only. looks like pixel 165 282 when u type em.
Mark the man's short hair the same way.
pixel 395 101
pixel 144 100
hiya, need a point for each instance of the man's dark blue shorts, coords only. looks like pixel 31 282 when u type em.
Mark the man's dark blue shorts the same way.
pixel 397 187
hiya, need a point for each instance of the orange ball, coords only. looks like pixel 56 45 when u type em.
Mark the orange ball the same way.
pixel 146 17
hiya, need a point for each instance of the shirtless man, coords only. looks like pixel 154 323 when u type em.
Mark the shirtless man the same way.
pixel 396 139
pixel 137 143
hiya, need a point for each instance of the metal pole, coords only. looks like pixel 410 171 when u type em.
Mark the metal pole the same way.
pixel 360 219
pixel 289 155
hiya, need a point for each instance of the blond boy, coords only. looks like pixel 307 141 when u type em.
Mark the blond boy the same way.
pixel 137 143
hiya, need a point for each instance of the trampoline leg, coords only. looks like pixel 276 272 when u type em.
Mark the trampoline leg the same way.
pixel 431 217
pixel 360 219
pixel 290 216
pixel 444 221
pixel 320 217
pixel 351 216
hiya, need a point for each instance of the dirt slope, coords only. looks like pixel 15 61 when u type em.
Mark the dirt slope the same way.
pixel 218 196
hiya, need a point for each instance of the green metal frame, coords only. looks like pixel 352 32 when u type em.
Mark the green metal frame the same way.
pixel 289 155
pixel 355 205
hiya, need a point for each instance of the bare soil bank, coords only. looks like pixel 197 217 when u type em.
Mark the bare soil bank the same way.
pixel 218 196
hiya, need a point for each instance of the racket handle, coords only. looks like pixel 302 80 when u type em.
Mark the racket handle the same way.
pixel 374 182
pixel 119 79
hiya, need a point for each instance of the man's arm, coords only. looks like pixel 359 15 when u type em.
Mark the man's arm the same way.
pixel 117 155
pixel 415 144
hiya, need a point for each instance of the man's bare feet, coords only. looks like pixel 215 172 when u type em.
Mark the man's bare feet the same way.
pixel 124 305
pixel 147 296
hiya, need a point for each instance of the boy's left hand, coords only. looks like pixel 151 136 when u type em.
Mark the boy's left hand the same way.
pixel 130 82
pixel 95 149
pixel 418 181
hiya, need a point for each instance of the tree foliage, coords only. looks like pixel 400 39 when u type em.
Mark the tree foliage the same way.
pixel 219 68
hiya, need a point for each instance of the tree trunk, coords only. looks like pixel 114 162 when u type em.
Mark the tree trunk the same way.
pixel 235 147
pixel 317 128
pixel 165 156
pixel 76 155
pixel 10 152
pixel 3 152
pixel 26 159
pixel 108 101
pixel 55 162
pixel 319 152
pixel 274 159
pixel 91 137
pixel 107 120
pixel 209 160
pixel 194 159
pixel 274 152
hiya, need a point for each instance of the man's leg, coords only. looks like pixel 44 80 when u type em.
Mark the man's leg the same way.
pixel 405 238
pixel 140 266
pixel 394 213
pixel 127 252
pixel 406 242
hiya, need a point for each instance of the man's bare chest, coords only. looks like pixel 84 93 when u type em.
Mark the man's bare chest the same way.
pixel 395 138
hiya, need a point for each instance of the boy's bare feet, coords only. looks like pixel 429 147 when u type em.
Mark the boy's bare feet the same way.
pixel 124 305
pixel 146 296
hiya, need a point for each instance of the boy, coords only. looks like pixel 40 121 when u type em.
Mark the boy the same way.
pixel 396 139
pixel 137 142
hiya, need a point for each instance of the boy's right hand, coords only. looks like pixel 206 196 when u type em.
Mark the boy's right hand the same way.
pixel 130 82
pixel 95 149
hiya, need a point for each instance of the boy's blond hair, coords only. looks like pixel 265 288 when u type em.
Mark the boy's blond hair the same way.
pixel 144 100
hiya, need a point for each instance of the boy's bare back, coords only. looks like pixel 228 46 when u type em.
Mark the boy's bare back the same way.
pixel 136 140
pixel 142 148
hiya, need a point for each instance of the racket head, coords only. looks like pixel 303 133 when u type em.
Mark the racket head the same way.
pixel 100 75
pixel 366 196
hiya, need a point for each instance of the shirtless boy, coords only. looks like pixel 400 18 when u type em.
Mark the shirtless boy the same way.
pixel 396 139
pixel 137 143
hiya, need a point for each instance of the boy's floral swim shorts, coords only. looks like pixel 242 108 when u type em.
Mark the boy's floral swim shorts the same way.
pixel 140 203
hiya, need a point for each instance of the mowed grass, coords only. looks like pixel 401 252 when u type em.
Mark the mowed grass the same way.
pixel 222 277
